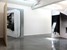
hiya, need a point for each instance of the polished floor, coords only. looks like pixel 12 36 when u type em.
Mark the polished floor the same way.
pixel 35 42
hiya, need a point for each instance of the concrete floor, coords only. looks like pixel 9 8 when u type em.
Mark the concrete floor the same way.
pixel 36 42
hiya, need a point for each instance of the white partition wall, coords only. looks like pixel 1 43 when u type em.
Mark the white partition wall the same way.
pixel 63 24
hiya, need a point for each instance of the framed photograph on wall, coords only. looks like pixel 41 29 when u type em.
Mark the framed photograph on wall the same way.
pixel 10 21
pixel 13 23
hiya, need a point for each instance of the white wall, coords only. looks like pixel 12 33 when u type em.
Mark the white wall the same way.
pixel 35 21
pixel 63 25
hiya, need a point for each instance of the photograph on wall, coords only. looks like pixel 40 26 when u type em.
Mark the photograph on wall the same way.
pixel 14 22
pixel 10 21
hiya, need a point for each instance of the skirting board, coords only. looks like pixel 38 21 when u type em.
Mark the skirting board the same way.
pixel 37 34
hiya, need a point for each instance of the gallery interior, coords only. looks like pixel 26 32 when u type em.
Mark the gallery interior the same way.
pixel 33 25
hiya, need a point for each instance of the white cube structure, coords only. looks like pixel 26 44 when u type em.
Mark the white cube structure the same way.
pixel 63 25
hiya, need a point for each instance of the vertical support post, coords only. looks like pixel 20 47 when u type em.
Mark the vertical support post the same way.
pixel 5 23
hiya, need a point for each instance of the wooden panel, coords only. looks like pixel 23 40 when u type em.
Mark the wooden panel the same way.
pixel 1 19
pixel 3 23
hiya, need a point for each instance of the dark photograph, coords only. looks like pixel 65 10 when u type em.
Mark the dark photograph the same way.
pixel 10 21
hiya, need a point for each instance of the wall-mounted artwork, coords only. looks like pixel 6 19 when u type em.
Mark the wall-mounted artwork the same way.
pixel 13 23
pixel 10 21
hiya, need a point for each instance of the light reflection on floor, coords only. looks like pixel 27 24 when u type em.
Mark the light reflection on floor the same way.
pixel 38 42
pixel 52 41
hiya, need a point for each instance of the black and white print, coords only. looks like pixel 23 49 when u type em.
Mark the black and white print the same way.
pixel 10 21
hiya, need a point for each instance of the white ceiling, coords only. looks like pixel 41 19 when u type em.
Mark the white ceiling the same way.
pixel 33 2
pixel 56 5
pixel 22 2
pixel 46 2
